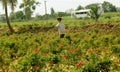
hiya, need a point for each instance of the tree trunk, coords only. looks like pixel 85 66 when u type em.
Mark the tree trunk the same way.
pixel 7 19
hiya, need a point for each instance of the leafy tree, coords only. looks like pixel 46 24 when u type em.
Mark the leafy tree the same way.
pixel 2 18
pixel 28 13
pixel 37 16
pixel 95 10
pixel 60 14
pixel 20 15
pixel 12 16
pixel 108 7
pixel 17 16
pixel 118 9
pixel 12 4
pixel 29 6
pixel 79 7
pixel 52 13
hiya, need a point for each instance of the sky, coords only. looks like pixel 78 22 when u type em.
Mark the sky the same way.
pixel 61 5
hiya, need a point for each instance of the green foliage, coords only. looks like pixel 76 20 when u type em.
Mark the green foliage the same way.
pixel 29 6
pixel 54 58
pixel 104 66
pixel 108 7
pixel 69 39
pixel 94 8
pixel 17 16
pixel 52 11
pixel 61 14
pixel 79 7
pixel 28 13
pixel 115 48
pixel 2 18
pixel 51 16
pixel 97 65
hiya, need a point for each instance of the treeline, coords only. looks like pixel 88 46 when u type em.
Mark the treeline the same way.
pixel 51 16
pixel 28 10
pixel 107 7
pixel 20 16
pixel 99 8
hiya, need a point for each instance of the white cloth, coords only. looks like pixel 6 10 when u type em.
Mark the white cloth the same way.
pixel 61 28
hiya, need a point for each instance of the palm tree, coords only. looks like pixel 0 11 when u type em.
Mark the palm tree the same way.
pixel 12 4
pixel 29 6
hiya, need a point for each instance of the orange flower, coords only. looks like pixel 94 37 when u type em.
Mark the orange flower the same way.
pixel 90 51
pixel 37 50
pixel 51 62
pixel 45 54
pixel 116 63
pixel 80 63
pixel 45 39
pixel 31 51
pixel 65 57
pixel 60 44
pixel 74 50
pixel 35 67
pixel 109 53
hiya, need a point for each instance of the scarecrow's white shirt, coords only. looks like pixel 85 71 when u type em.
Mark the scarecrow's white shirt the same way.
pixel 61 28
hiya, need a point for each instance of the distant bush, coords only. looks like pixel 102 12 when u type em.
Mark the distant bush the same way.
pixel 2 18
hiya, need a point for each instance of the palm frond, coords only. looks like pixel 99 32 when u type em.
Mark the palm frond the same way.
pixel 12 4
pixel 22 5
pixel 3 2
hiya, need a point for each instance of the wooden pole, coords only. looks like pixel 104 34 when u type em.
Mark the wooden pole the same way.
pixel 45 12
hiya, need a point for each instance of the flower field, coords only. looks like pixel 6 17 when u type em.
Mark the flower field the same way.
pixel 90 48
